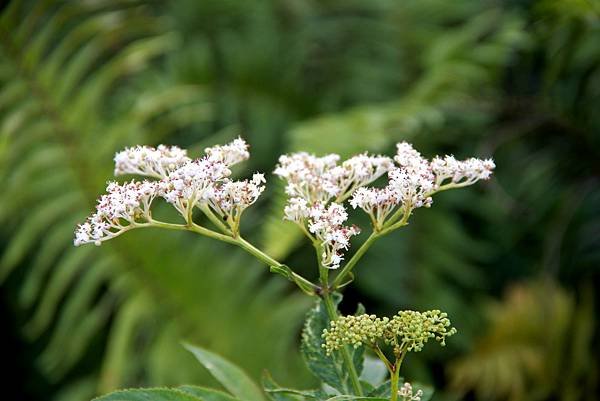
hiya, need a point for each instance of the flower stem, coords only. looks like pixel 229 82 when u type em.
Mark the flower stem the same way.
pixel 339 279
pixel 215 220
pixel 333 315
pixel 394 383
pixel 395 377
pixel 304 284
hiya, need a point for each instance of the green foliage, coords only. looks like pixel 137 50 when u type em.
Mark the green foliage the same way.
pixel 154 394
pixel 229 375
pixel 76 86
pixel 207 394
pixel 327 368
pixel 78 80
pixel 534 347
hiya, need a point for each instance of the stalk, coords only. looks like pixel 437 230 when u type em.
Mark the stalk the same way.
pixel 332 313
pixel 395 377
pixel 394 383
pixel 339 279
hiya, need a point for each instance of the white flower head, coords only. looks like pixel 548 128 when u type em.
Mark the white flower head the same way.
pixel 296 210
pixel 308 176
pixel 463 172
pixel 327 226
pixel 229 154
pixel 320 179
pixel 413 189
pixel 120 209
pixel 377 202
pixel 192 183
pixel 363 169
pixel 231 198
pixel 148 161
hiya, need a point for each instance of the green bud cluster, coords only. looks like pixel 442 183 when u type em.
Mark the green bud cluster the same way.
pixel 410 330
pixel 355 331
pixel 407 331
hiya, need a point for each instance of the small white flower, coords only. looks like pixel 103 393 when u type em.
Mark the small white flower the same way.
pixel 320 179
pixel 465 172
pixel 120 209
pixel 308 176
pixel 231 198
pixel 412 188
pixel 153 162
pixel 406 392
pixel 229 154
pixel 327 226
pixel 296 210
pixel 363 169
pixel 377 202
pixel 192 183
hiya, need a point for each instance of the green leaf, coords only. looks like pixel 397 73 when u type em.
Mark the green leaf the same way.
pixel 230 376
pixel 277 393
pixel 207 394
pixel 382 391
pixel 328 368
pixel 150 394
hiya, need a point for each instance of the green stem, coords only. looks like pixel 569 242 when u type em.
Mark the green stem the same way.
pixel 303 283
pixel 394 381
pixel 339 279
pixel 383 358
pixel 333 315
pixel 214 219
pixel 395 377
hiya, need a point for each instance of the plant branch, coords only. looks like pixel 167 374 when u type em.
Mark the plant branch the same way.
pixel 339 279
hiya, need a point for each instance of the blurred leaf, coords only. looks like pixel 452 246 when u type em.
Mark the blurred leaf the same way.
pixel 230 376
pixel 154 394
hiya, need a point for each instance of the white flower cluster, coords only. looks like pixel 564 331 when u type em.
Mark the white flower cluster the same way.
pixel 313 182
pixel 183 182
pixel 406 392
pixel 415 180
pixel 231 198
pixel 459 172
pixel 229 154
pixel 327 226
pixel 117 211
pixel 320 179
pixel 153 162
pixel 192 184
pixel 377 202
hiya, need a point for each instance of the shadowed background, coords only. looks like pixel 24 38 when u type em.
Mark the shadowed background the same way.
pixel 514 261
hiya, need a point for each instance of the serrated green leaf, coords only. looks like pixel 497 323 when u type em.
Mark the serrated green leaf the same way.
pixel 328 368
pixel 230 376
pixel 151 394
pixel 207 394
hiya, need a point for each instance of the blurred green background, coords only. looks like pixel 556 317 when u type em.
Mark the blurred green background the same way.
pixel 515 261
